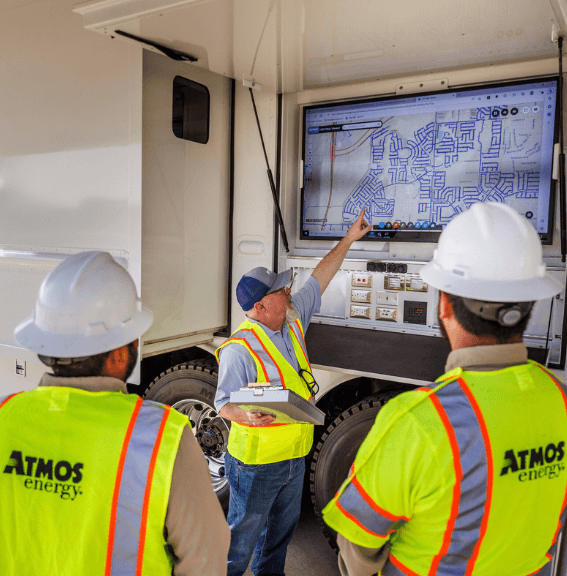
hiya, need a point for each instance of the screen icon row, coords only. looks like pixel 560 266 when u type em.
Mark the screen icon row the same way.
pixel 406 226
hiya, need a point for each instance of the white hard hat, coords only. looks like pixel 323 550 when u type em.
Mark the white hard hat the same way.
pixel 490 253
pixel 85 306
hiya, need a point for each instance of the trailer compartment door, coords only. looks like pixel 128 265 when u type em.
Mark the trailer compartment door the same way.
pixel 185 201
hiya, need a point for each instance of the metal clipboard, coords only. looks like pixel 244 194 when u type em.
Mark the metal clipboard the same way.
pixel 289 407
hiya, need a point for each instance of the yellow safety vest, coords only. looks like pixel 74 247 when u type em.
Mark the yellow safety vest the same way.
pixel 275 442
pixel 467 478
pixel 84 483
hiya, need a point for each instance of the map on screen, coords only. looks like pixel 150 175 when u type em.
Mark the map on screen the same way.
pixel 414 163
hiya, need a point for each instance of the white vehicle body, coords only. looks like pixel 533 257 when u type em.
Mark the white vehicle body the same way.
pixel 88 160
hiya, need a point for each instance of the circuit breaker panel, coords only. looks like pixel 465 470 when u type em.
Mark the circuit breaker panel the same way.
pixel 391 296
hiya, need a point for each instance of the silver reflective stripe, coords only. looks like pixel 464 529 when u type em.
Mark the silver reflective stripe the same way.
pixel 543 571
pixel 133 488
pixel 391 570
pixel 297 333
pixel 4 399
pixel 473 491
pixel 354 504
pixel 256 345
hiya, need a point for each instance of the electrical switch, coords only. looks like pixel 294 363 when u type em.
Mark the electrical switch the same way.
pixel 388 298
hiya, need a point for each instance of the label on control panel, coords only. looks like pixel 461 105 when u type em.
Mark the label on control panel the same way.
pixel 360 312
pixel 360 279
pixel 389 314
pixel 394 283
pixel 416 284
pixel 361 296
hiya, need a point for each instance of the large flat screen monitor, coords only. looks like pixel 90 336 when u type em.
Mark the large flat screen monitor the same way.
pixel 415 162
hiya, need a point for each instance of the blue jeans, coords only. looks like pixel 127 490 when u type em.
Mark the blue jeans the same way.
pixel 264 508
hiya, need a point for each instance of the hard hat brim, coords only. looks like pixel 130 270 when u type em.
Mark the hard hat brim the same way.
pixel 29 335
pixel 529 290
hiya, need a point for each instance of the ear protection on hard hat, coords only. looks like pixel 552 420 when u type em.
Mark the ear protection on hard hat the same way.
pixel 504 313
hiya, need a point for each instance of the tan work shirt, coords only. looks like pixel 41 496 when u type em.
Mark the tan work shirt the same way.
pixel 356 560
pixel 195 525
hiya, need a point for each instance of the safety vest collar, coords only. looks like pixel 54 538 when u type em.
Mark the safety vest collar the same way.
pixel 270 363
pixel 450 376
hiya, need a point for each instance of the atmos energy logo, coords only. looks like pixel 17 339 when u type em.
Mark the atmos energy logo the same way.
pixel 541 462
pixel 39 474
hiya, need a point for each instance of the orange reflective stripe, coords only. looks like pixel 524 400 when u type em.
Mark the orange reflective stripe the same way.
pixel 456 488
pixel 144 526
pixel 489 472
pixel 113 509
pixel 249 348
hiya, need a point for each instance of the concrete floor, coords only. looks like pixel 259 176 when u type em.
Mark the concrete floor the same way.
pixel 309 553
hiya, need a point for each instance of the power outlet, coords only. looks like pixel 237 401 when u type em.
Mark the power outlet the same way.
pixel 359 279
pixel 361 296
pixel 388 298
pixel 388 314
pixel 360 312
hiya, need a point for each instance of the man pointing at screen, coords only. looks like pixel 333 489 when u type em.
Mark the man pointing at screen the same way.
pixel 265 462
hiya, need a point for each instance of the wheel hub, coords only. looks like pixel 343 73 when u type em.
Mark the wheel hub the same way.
pixel 211 432
pixel 211 439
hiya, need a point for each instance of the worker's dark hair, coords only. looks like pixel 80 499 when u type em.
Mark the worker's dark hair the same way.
pixel 481 327
pixel 83 367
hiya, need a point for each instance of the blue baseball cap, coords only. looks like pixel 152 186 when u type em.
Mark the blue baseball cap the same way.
pixel 260 281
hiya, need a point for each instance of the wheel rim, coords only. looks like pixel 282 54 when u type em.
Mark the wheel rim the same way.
pixel 211 433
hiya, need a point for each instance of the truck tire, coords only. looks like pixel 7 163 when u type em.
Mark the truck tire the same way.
pixel 335 452
pixel 190 388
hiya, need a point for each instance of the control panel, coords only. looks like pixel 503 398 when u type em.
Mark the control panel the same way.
pixel 382 295
pixel 391 296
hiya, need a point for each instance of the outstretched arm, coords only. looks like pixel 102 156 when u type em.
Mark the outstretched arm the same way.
pixel 329 266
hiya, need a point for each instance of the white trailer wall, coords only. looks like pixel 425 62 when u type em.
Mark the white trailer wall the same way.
pixel 70 157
